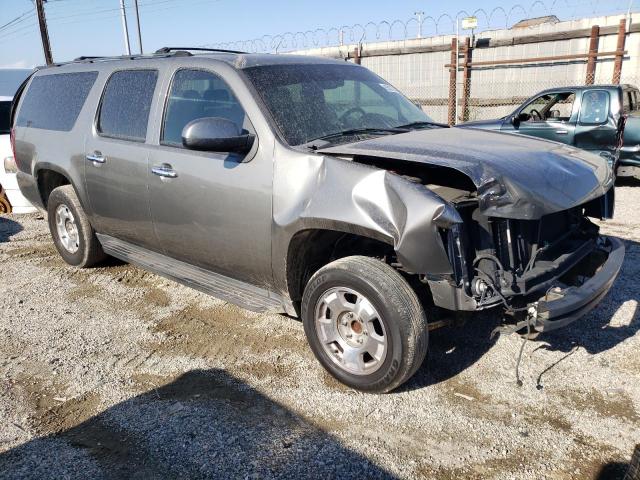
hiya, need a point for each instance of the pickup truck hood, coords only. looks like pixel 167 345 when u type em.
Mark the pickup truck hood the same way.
pixel 493 124
pixel 516 177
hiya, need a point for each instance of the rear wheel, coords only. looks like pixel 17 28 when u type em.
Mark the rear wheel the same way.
pixel 72 233
pixel 364 323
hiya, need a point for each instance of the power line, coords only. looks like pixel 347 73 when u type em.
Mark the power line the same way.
pixel 20 18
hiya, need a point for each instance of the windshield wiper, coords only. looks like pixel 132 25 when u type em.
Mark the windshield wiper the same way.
pixel 422 124
pixel 352 132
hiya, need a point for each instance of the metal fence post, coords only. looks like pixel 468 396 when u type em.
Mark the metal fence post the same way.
pixel 466 79
pixel 617 66
pixel 593 55
pixel 453 69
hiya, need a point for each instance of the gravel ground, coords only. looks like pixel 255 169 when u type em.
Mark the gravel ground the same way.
pixel 114 372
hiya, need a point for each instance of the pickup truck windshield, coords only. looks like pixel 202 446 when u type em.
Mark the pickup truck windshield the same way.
pixel 309 102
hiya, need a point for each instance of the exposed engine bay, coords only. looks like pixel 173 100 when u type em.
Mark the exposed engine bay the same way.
pixel 504 261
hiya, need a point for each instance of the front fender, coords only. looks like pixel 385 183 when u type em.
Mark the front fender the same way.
pixel 323 192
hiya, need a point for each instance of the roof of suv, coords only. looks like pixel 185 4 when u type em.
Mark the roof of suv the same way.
pixel 235 59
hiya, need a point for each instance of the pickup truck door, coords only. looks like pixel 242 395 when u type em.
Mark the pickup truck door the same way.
pixel 116 170
pixel 211 209
pixel 551 116
pixel 598 124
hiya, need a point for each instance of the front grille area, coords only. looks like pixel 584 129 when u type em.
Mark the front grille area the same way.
pixel 516 242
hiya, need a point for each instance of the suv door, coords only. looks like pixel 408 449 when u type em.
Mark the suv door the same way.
pixel 211 209
pixel 116 170
pixel 549 116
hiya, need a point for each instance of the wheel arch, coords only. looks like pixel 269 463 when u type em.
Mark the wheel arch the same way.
pixel 313 247
pixel 50 176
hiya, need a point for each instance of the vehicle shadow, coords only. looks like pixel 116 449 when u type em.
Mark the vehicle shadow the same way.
pixel 204 424
pixel 454 349
pixel 627 182
pixel 621 470
pixel 8 228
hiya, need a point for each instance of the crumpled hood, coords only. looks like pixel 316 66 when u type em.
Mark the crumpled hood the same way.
pixel 516 177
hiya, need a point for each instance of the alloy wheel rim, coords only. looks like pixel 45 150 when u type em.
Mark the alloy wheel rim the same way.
pixel 67 229
pixel 351 331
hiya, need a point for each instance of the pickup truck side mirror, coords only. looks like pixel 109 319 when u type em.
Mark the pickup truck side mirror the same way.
pixel 215 134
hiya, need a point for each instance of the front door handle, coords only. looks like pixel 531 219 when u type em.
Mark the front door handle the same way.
pixel 562 132
pixel 96 157
pixel 165 170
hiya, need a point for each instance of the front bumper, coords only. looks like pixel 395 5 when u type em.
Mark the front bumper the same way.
pixel 562 306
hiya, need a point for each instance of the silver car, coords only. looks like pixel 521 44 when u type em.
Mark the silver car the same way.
pixel 312 187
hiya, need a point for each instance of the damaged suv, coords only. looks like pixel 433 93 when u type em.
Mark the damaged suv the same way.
pixel 312 187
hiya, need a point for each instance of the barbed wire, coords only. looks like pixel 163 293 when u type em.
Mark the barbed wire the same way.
pixel 422 26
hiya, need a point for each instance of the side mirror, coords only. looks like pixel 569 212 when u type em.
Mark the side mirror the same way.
pixel 215 134
pixel 515 121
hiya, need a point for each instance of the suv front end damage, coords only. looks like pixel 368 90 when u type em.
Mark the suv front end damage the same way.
pixel 524 239
pixel 550 271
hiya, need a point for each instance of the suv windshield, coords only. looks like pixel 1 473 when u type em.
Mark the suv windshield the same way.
pixel 5 114
pixel 316 101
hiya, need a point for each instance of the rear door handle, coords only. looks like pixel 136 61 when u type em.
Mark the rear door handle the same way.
pixel 562 132
pixel 165 170
pixel 96 157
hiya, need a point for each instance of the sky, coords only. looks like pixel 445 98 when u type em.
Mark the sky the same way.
pixel 93 27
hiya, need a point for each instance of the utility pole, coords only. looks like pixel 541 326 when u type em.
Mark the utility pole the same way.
pixel 44 34
pixel 138 21
pixel 125 28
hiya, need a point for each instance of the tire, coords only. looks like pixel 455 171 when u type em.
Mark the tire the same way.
pixel 397 321
pixel 75 240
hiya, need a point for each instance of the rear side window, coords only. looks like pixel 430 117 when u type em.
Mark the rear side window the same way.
pixel 53 102
pixel 5 115
pixel 126 102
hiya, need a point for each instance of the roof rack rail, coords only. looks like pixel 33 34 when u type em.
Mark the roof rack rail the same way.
pixel 194 49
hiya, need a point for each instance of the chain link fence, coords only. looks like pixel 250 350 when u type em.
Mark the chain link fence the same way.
pixel 490 74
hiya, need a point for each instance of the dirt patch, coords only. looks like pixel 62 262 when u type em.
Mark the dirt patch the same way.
pixel 146 382
pixel 84 290
pixel 464 392
pixel 614 403
pixel 215 332
pixel 263 369
pixel 42 250
pixel 157 297
pixel 52 410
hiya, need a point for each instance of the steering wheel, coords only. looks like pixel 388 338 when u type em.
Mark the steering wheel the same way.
pixel 352 111
pixel 535 114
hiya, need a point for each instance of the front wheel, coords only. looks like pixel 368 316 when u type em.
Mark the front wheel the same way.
pixel 364 323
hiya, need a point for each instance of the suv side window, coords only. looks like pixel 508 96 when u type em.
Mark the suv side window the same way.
pixel 126 102
pixel 197 94
pixel 53 102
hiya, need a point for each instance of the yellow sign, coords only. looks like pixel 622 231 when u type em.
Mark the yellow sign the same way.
pixel 469 23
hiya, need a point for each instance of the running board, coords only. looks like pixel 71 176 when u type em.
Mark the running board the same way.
pixel 230 290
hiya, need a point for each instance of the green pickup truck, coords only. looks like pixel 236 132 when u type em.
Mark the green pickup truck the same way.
pixel 604 119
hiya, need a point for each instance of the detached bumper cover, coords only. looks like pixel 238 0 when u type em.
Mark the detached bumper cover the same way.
pixel 570 304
